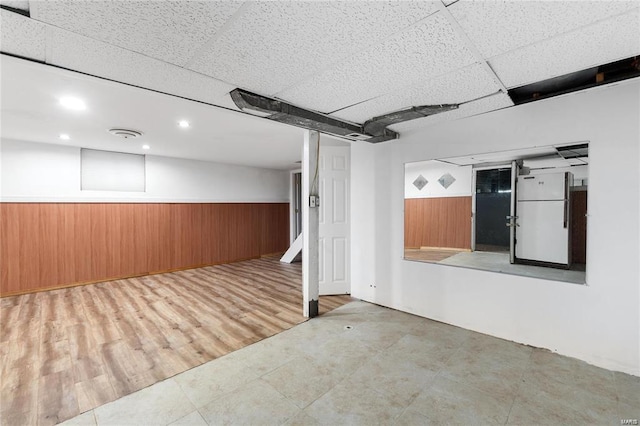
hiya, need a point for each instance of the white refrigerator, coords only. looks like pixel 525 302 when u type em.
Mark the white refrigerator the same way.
pixel 543 219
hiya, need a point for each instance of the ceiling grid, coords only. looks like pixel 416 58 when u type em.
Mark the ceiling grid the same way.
pixel 228 24
pixel 471 46
pixel 165 30
pixel 350 59
pixel 22 36
pixel 369 45
pixel 279 43
pixel 410 58
pixel 584 47
pixel 98 58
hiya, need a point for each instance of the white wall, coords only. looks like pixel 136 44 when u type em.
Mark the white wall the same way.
pixel 432 171
pixel 598 322
pixel 32 172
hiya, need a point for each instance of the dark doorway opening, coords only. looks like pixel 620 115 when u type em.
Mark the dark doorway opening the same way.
pixel 493 201
pixel 297 204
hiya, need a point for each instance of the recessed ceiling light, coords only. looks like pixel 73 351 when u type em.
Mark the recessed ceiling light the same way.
pixel 72 103
pixel 146 147
pixel 64 136
pixel 183 123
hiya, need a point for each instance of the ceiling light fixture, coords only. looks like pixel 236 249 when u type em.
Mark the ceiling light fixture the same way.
pixel 64 136
pixel 146 147
pixel 183 123
pixel 72 103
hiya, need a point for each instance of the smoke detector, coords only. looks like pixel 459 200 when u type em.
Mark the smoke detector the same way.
pixel 125 133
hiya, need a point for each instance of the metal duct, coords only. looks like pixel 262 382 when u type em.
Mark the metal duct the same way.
pixel 580 80
pixel 378 125
pixel 289 114
pixel 574 151
pixel 374 130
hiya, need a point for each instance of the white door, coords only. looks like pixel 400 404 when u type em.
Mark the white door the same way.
pixel 334 220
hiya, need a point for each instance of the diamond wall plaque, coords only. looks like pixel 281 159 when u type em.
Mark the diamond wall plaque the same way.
pixel 420 182
pixel 446 180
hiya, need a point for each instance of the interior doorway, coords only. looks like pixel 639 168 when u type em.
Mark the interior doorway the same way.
pixel 492 193
pixel 297 204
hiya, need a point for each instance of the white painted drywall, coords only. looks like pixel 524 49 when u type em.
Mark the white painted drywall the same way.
pixel 432 171
pixel 112 171
pixel 598 322
pixel 35 172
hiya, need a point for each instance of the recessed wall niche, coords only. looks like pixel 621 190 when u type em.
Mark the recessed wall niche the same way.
pixel 520 212
pixel 111 171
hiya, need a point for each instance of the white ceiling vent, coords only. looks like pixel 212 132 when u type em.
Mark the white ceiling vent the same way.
pixel 358 136
pixel 125 133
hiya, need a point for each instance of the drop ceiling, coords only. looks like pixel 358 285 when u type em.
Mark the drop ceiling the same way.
pixel 350 59
pixel 535 158
pixel 31 112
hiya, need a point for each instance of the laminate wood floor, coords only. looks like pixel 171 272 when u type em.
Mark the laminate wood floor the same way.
pixel 68 351
pixel 428 255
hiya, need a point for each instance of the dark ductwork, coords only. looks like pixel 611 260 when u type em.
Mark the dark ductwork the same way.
pixel 574 151
pixel 378 125
pixel 374 130
pixel 580 80
pixel 20 10
pixel 289 114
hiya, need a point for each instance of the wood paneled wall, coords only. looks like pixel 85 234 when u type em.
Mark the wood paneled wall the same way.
pixel 437 222
pixel 579 226
pixel 48 245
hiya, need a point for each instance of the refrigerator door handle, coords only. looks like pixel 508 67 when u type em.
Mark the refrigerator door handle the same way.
pixel 512 221
pixel 566 200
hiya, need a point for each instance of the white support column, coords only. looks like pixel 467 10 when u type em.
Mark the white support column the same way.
pixel 310 224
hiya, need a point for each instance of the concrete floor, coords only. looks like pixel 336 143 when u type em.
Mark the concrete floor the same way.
pixel 363 364
pixel 499 262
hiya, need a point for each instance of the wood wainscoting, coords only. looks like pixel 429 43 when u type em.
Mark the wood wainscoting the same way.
pixel 579 226
pixel 443 222
pixel 51 245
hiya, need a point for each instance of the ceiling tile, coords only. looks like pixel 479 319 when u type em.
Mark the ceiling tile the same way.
pixel 463 85
pixel 480 106
pixel 607 41
pixel 275 44
pixel 22 36
pixel 167 30
pixel 546 162
pixel 93 57
pixel 500 26
pixel 501 156
pixel 412 57
pixel 578 161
